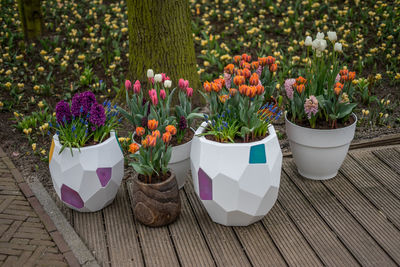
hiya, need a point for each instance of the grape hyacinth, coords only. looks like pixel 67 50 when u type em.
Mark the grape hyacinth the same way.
pixel 97 115
pixel 63 112
pixel 182 123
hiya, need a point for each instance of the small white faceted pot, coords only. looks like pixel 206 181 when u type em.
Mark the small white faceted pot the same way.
pixel 237 183
pixel 318 154
pixel 180 162
pixel 88 180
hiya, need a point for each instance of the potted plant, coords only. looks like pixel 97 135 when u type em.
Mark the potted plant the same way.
pixel 155 198
pixel 235 156
pixel 320 122
pixel 86 162
pixel 159 107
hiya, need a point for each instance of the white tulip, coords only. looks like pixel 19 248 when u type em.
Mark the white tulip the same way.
pixel 320 35
pixel 316 44
pixel 158 78
pixel 332 36
pixel 338 47
pixel 150 73
pixel 167 83
pixel 308 41
pixel 323 45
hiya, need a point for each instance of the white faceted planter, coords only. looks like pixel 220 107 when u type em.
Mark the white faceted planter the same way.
pixel 318 154
pixel 89 179
pixel 237 183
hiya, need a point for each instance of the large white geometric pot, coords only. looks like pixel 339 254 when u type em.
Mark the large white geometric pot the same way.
pixel 180 163
pixel 89 179
pixel 237 183
pixel 318 154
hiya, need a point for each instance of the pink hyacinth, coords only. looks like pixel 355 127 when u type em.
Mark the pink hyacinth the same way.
pixel 163 94
pixel 228 80
pixel 289 87
pixel 337 79
pixel 128 85
pixel 136 87
pixel 259 71
pixel 311 106
pixel 189 92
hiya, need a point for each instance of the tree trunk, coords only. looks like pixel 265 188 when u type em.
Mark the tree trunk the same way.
pixel 31 18
pixel 160 38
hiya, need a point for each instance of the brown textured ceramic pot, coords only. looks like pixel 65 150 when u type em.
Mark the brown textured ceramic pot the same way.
pixel 156 204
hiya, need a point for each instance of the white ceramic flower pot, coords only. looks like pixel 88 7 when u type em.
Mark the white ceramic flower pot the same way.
pixel 89 179
pixel 180 163
pixel 237 183
pixel 318 154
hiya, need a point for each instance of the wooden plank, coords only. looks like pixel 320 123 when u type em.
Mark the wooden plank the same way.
pixel 381 197
pixel 290 242
pixel 259 246
pixel 156 244
pixel 189 242
pixel 123 245
pixel 390 156
pixel 322 239
pixel 90 227
pixel 379 170
pixel 366 250
pixel 226 248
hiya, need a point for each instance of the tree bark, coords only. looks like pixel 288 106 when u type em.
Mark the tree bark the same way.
pixel 31 18
pixel 160 38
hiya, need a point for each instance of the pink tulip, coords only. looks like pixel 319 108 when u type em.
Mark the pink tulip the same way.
pixel 181 83
pixel 186 84
pixel 153 96
pixel 136 87
pixel 152 92
pixel 189 92
pixel 163 94
pixel 128 84
pixel 164 77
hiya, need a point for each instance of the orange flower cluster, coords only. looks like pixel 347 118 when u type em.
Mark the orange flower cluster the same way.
pixel 338 88
pixel 251 91
pixel 346 75
pixel 270 61
pixel 151 139
pixel 300 84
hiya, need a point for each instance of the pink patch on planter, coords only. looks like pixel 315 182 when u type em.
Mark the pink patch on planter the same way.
pixel 104 175
pixel 71 197
pixel 205 186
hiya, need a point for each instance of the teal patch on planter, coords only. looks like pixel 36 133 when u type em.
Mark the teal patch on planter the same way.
pixel 120 147
pixel 257 154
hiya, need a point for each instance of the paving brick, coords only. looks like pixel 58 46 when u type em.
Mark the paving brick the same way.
pixel 44 217
pixel 20 240
pixel 7 235
pixel 42 242
pixel 10 251
pixel 8 163
pixel 59 240
pixel 33 236
pixel 26 189
pixel 71 259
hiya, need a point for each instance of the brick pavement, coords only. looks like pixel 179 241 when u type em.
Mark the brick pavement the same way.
pixel 28 237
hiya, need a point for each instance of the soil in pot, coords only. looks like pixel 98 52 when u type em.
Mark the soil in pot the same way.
pixel 158 203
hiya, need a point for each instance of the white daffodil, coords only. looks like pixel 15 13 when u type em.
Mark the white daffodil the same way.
pixel 150 73
pixel 308 41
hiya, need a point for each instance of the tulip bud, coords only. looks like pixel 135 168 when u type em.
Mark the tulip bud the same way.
pixel 136 87
pixel 167 83
pixel 158 78
pixel 150 73
pixel 189 92
pixel 338 47
pixel 308 41
pixel 163 94
pixel 128 84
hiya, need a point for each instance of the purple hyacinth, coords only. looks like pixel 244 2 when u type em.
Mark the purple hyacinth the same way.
pixel 97 115
pixel 82 103
pixel 259 71
pixel 63 112
pixel 182 123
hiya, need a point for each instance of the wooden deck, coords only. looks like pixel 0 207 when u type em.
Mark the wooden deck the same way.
pixel 353 219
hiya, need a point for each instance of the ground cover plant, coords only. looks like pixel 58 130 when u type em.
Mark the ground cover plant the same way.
pixel 85 47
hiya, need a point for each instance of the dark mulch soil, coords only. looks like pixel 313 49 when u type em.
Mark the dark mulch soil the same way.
pixel 154 180
pixel 324 125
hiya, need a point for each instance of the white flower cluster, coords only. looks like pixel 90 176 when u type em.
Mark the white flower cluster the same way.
pixel 319 44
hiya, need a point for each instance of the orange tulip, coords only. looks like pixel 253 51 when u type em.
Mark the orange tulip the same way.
pixel 246 57
pixel 254 65
pixel 237 59
pixel 232 92
pixel 216 87
pixel 207 87
pixel 344 72
pixel 337 90
pixel 299 88
pixel 239 80
pixel 273 67
pixel 270 60
pixel 243 89
pixel 145 144
pixel 251 91
pixel 223 98
pixel 260 89
pixel 229 68
pixel 262 61
pixel 156 134
pixel 140 131
pixel 152 124
pixel 340 85
pixel 301 80
pixel 254 80
pixel 245 65
pixel 151 140
pixel 352 75
pixel 166 137
pixel 133 148
pixel 171 129
pixel 246 73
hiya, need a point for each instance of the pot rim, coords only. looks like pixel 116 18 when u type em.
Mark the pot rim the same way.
pixel 136 178
pixel 322 130
pixel 75 149
pixel 271 135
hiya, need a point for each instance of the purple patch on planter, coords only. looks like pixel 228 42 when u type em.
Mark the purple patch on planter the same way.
pixel 71 197
pixel 104 175
pixel 205 186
